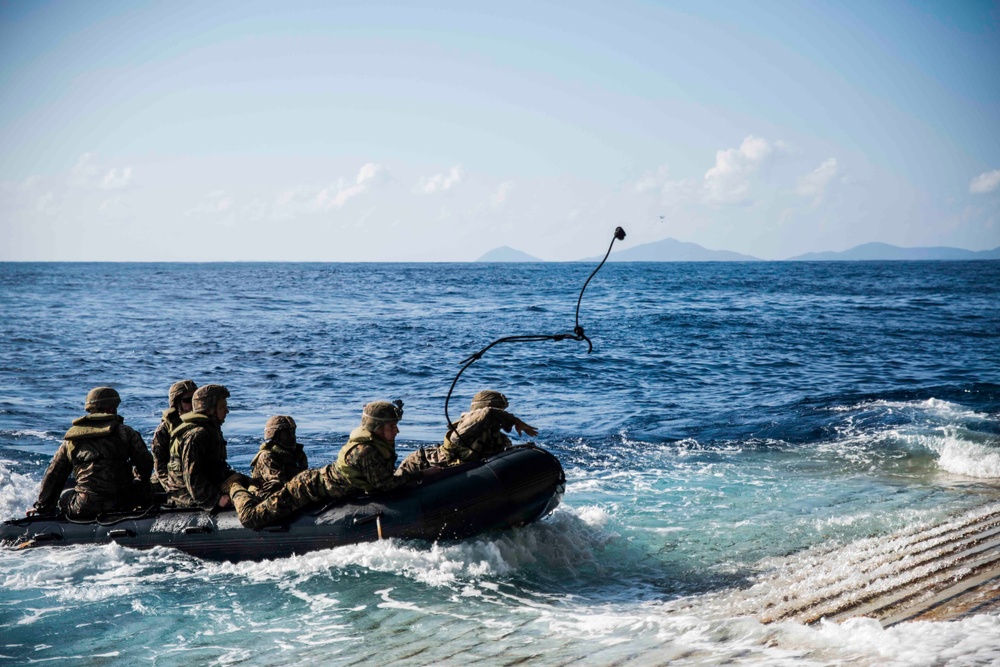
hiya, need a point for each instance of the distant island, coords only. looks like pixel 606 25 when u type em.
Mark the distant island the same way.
pixel 884 251
pixel 672 250
pixel 507 254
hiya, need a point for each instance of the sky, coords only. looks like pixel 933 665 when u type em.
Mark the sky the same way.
pixel 437 131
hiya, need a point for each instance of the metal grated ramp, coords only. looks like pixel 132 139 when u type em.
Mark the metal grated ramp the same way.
pixel 934 572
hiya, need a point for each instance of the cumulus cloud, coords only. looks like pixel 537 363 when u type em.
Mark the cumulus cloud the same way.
pixel 87 173
pixel 503 191
pixel 84 172
pixel 986 182
pixel 336 196
pixel 813 185
pixel 441 182
pixel 116 179
pixel 728 182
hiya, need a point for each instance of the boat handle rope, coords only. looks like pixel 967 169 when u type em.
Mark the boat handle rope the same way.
pixel 104 520
pixel 578 334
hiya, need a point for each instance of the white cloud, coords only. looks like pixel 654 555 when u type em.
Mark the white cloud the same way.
pixel 336 196
pixel 215 203
pixel 369 172
pixel 29 183
pixel 728 182
pixel 86 173
pixel 986 182
pixel 114 209
pixel 441 182
pixel 116 179
pixel 290 195
pixel 651 180
pixel 503 191
pixel 814 183
pixel 47 203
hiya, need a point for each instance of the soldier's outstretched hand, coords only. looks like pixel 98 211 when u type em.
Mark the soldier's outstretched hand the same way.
pixel 523 428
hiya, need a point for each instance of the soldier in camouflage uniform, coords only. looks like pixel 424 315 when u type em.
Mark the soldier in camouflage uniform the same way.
pixel 280 457
pixel 179 399
pixel 365 465
pixel 479 433
pixel 108 459
pixel 198 469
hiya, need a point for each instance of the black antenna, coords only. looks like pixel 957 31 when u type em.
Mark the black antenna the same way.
pixel 578 333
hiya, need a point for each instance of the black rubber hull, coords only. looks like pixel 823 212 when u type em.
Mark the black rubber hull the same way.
pixel 511 489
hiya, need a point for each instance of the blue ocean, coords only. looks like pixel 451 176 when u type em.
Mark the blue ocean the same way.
pixel 731 419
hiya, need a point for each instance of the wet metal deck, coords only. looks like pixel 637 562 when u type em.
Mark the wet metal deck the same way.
pixel 938 572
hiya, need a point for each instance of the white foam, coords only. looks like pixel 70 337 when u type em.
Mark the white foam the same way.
pixel 17 492
pixel 30 433
pixel 959 450
pixel 941 428
pixel 930 406
pixel 473 574
pixel 969 641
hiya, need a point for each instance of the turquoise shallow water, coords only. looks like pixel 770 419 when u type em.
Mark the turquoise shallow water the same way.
pixel 730 417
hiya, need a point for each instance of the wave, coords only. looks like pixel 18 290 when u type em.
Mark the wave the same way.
pixel 950 436
pixel 17 492
pixel 930 406
pixel 29 433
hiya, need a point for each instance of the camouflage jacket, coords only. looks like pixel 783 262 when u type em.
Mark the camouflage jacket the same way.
pixel 479 434
pixel 368 463
pixel 197 462
pixel 104 456
pixel 274 466
pixel 161 445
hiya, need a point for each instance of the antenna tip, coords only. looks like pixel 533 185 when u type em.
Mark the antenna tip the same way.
pixel 619 233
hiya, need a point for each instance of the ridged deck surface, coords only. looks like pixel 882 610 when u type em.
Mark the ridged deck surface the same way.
pixel 937 572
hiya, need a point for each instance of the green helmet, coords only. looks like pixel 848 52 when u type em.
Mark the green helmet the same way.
pixel 102 399
pixel 378 413
pixel 179 389
pixel 279 424
pixel 206 398
pixel 489 399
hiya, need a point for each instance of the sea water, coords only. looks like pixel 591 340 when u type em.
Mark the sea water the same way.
pixel 731 417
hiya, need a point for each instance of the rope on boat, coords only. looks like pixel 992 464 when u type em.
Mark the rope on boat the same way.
pixel 578 333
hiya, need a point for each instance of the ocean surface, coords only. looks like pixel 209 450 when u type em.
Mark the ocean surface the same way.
pixel 731 418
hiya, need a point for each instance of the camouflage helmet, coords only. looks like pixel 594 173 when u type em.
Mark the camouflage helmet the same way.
pixel 102 399
pixel 206 398
pixel 489 399
pixel 179 389
pixel 378 413
pixel 278 424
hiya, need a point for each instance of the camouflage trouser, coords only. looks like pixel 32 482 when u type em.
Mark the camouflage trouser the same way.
pixel 86 505
pixel 82 505
pixel 424 458
pixel 308 487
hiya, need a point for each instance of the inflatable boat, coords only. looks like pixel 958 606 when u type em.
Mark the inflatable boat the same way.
pixel 513 488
